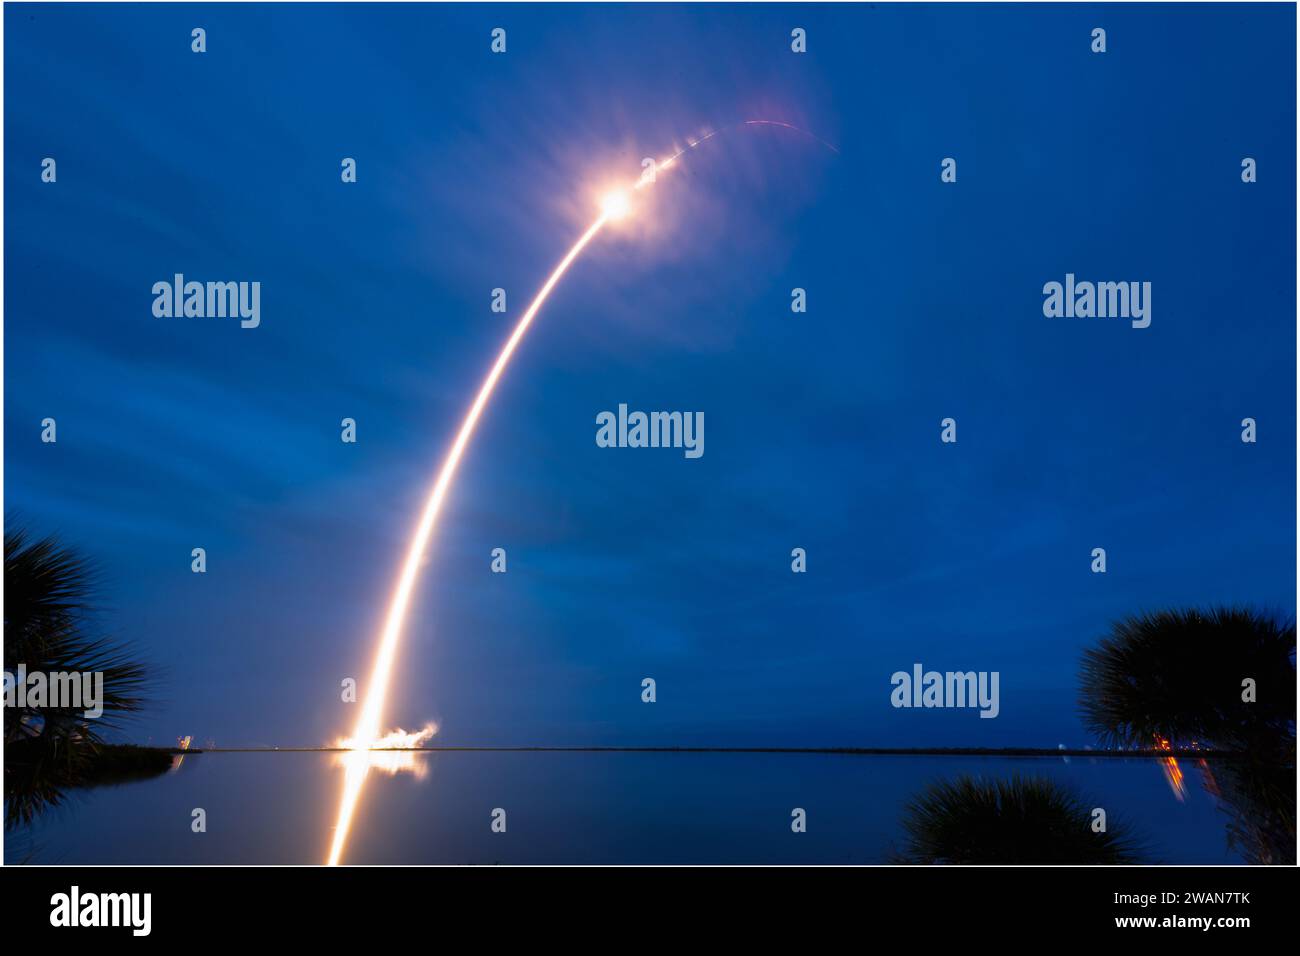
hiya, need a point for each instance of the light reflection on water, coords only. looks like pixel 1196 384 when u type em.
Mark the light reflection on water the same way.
pixel 577 808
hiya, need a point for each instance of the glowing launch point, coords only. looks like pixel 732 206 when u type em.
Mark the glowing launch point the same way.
pixel 616 205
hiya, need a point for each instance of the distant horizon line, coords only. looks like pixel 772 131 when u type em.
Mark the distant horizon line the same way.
pixel 849 751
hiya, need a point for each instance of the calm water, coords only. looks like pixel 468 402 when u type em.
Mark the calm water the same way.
pixel 576 808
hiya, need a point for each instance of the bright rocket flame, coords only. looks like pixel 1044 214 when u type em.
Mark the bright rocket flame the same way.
pixel 366 735
pixel 393 753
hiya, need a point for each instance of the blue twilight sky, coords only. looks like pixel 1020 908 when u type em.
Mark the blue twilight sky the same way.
pixel 822 429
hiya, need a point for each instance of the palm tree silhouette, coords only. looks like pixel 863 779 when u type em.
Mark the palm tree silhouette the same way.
pixel 48 624
pixel 1222 679
pixel 1020 820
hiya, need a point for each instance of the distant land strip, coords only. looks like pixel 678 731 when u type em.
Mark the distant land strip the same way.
pixel 849 751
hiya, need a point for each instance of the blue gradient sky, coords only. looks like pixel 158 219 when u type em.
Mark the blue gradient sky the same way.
pixel 822 430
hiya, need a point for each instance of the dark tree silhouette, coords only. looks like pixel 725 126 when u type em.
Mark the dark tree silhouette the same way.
pixel 1020 820
pixel 48 627
pixel 1178 676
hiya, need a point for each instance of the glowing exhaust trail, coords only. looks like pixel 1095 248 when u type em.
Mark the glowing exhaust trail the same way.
pixel 367 733
pixel 377 689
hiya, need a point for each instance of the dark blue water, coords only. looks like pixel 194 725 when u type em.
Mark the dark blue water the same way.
pixel 578 808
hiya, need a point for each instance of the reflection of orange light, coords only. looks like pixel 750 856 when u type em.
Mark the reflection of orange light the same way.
pixel 182 743
pixel 1173 773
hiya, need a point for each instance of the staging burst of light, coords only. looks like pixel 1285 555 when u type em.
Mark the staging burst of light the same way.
pixel 616 205
pixel 366 738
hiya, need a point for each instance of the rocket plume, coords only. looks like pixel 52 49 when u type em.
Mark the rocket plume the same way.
pixel 366 737
pixel 367 729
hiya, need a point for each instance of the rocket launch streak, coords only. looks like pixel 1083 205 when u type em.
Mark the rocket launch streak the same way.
pixel 367 732
pixel 376 690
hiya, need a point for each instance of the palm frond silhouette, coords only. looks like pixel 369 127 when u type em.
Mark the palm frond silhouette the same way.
pixel 49 591
pixel 1178 675
pixel 1013 821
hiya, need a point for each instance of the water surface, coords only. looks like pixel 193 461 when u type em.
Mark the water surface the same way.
pixel 577 808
